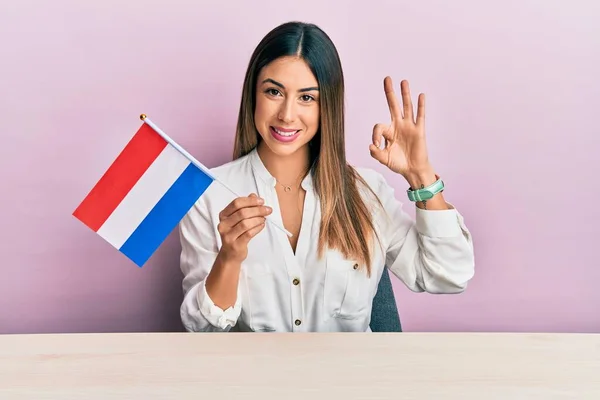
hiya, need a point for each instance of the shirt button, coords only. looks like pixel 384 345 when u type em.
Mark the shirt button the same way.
pixel 296 281
pixel 355 266
pixel 297 322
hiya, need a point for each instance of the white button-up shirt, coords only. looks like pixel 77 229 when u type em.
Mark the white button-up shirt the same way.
pixel 282 291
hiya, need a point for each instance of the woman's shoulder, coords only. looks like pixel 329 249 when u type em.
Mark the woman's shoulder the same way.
pixel 380 196
pixel 232 168
pixel 374 179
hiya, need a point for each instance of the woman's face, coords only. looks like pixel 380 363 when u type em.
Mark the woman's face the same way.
pixel 287 105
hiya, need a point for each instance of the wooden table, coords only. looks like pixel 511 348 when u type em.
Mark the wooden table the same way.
pixel 300 366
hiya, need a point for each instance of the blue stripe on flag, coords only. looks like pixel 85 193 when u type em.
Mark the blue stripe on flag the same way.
pixel 166 214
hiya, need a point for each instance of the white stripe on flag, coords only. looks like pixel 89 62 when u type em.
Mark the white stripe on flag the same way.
pixel 144 195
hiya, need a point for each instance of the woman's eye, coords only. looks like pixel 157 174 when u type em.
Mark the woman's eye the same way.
pixel 273 92
pixel 307 98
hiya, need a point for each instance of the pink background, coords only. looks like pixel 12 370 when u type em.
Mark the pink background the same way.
pixel 513 101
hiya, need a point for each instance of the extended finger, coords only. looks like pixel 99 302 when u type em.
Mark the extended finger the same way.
pixel 421 109
pixel 395 111
pixel 406 100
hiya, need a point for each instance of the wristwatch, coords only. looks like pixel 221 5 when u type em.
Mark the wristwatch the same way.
pixel 426 193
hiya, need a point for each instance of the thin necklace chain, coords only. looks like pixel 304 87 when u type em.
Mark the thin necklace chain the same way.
pixel 288 188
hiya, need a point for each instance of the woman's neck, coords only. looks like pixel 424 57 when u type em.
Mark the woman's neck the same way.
pixel 289 169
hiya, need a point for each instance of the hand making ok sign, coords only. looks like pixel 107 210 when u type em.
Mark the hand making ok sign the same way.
pixel 405 150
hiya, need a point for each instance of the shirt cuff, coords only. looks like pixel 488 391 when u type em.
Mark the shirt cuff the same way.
pixel 438 223
pixel 223 319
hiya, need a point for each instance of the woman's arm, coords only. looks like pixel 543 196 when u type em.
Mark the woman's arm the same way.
pixel 198 261
pixel 433 253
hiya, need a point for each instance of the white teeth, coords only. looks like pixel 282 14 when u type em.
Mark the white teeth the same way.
pixel 285 133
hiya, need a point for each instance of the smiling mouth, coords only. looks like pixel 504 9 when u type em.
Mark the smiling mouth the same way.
pixel 286 132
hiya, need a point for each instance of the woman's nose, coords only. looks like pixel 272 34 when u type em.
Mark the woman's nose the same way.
pixel 287 112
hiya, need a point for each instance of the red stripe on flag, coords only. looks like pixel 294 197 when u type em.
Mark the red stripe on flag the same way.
pixel 121 176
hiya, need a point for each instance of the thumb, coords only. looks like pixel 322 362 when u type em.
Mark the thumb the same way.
pixel 378 154
pixel 378 131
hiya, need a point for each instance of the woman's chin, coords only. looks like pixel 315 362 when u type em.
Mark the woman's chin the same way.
pixel 282 149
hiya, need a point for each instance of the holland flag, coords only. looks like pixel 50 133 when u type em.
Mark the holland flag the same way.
pixel 144 194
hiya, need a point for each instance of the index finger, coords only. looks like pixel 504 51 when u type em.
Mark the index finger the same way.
pixel 241 202
pixel 388 87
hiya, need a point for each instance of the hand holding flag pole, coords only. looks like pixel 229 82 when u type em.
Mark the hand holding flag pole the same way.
pixel 198 164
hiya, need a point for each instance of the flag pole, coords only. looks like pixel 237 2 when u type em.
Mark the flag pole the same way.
pixel 198 164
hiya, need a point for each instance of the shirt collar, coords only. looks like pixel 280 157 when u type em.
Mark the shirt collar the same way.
pixel 263 173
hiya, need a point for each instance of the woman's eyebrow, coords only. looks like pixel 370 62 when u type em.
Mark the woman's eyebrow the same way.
pixel 274 82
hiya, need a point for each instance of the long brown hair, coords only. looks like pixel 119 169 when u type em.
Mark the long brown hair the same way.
pixel 346 221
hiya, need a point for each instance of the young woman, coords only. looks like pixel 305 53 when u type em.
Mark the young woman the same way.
pixel 243 273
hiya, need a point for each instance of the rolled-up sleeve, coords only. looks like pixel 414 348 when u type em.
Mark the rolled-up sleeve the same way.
pixel 198 253
pixel 433 252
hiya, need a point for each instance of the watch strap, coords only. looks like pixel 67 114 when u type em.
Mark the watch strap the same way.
pixel 426 193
